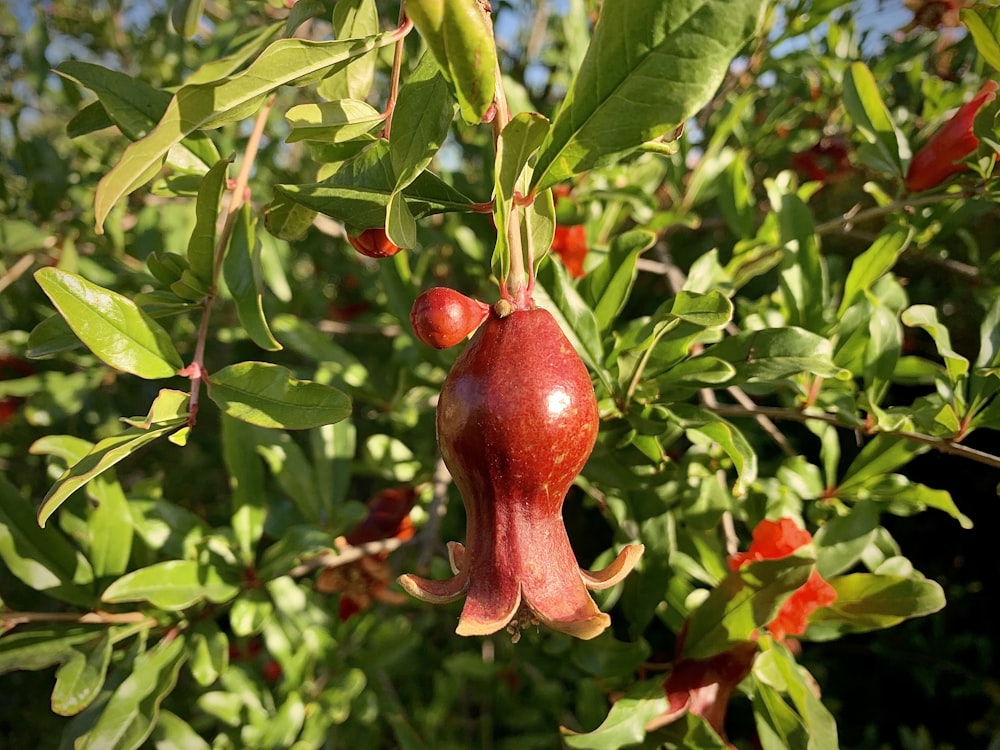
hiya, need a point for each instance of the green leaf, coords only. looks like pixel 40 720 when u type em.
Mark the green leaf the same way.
pixel 866 601
pixel 241 270
pixel 208 651
pixel 173 585
pixel 985 40
pixel 460 36
pixel 711 310
pixel 906 497
pixel 132 710
pixel 555 292
pixel 332 122
pixel 745 600
pixel 357 192
pixel 515 146
pixel 135 107
pixel 871 265
pixel 102 457
pixel 110 525
pixel 42 559
pixel 287 220
pixel 249 497
pixel 201 247
pixel 111 326
pixel 210 105
pixel 872 119
pixel 679 50
pixel 81 676
pixel 801 271
pixel 185 15
pixel 352 19
pixel 841 541
pixel 726 436
pixel 173 733
pixel 607 287
pixel 268 396
pixel 883 454
pixel 420 122
pixel 778 726
pixel 626 722
pixel 42 648
pixel 400 226
pixel 775 353
pixel 925 316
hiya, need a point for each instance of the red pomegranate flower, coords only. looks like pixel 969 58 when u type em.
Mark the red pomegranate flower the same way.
pixel 773 540
pixel 570 244
pixel 364 581
pixel 942 155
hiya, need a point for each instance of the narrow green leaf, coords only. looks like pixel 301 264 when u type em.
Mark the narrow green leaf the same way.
pixel 131 711
pixel 420 122
pixel 800 687
pixel 110 525
pixel 206 106
pixel 267 395
pixel 80 678
pixel 173 585
pixel 173 733
pixel 460 35
pixel 841 541
pixel 607 287
pixel 352 19
pixel 112 326
pixel 744 601
pixel 42 559
pixel 866 601
pixel 626 722
pixel 775 353
pixel 872 264
pixel 400 226
pixel 711 310
pixel 287 220
pixel 571 310
pixel 925 316
pixel 332 122
pixel 241 271
pixel 43 647
pixel 801 271
pixel 208 652
pixel 357 192
pixel 871 117
pixel 986 42
pixel 679 50
pixel 249 498
pixel 102 457
pixel 245 46
pixel 726 436
pixel 201 247
pixel 185 15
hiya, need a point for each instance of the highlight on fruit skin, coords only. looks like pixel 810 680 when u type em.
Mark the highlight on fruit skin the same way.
pixel 374 243
pixel 442 317
pixel 517 419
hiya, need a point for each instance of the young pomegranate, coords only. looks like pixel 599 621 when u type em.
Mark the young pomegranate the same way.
pixel 517 419
pixel 373 243
pixel 442 317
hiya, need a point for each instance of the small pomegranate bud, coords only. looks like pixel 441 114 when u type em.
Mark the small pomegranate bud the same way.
pixel 373 243
pixel 442 317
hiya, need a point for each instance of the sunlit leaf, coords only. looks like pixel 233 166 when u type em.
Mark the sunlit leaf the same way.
pixel 173 585
pixel 112 326
pixel 241 270
pixel 268 396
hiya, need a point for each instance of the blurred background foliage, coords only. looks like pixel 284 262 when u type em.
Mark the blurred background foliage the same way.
pixel 399 674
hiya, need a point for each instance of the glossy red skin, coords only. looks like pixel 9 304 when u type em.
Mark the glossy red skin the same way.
pixel 373 243
pixel 517 419
pixel 442 317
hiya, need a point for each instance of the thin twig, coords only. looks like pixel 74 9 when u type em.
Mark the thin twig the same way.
pixel 856 216
pixel 17 270
pixel 397 65
pixel 196 370
pixel 942 445
pixel 345 556
pixel 97 617
pixel 428 540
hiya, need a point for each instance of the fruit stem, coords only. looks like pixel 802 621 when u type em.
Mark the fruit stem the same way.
pixel 513 288
pixel 397 64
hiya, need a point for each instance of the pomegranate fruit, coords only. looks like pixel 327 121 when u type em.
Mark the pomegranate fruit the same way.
pixel 442 317
pixel 373 243
pixel 517 419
